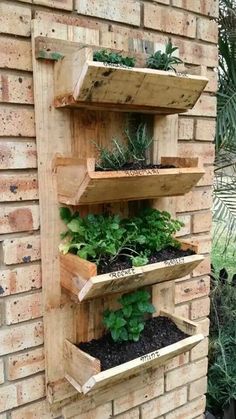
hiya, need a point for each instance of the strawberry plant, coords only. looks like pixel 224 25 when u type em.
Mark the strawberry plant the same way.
pixel 113 58
pixel 128 322
pixel 164 60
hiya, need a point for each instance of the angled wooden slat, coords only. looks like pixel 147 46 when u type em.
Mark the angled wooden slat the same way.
pixel 79 183
pixel 103 379
pixel 79 277
pixel 79 81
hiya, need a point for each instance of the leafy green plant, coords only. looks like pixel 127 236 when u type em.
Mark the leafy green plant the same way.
pixel 113 159
pixel 128 322
pixel 164 60
pixel 222 347
pixel 138 144
pixel 121 154
pixel 103 238
pixel 113 58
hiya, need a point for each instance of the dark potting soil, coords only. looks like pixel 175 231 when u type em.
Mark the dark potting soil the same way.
pixel 138 166
pixel 125 263
pixel 158 333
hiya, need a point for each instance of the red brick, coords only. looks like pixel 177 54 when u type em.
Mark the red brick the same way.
pixel 38 410
pixel 16 88
pixel 203 268
pixel 202 221
pixel 30 389
pixel 57 4
pixel 200 350
pixel 20 280
pixel 18 218
pixel 26 307
pixel 15 53
pixel 200 308
pixel 25 364
pixel 212 85
pixel 127 12
pixel 17 121
pixel 205 106
pixel 1 371
pixel 21 249
pixel 15 19
pixel 198 388
pixel 140 395
pixel 17 338
pixel 17 154
pixel 189 411
pixel 195 200
pixel 103 412
pixel 205 129
pixel 196 53
pixel 204 151
pixel 18 187
pixel 8 397
pixel 207 30
pixel 168 20
pixel 186 128
pixel 189 290
pixel 186 219
pixel 162 405
pixel 131 414
pixel 186 373
pixel 208 177
pixel 182 310
pixel 203 242
pixel 203 326
pixel 209 7
pixel 177 361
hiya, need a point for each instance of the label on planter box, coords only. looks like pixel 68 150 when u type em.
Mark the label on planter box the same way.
pixel 120 274
pixel 142 172
pixel 172 262
pixel 149 357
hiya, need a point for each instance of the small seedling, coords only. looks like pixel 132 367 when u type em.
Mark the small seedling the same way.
pixel 127 323
pixel 121 154
pixel 113 58
pixel 164 60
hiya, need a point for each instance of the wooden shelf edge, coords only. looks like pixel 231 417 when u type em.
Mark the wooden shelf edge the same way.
pixel 79 367
pixel 80 280
pixel 81 81
pixel 79 184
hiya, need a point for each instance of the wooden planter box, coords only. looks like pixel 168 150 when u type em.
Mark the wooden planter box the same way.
pixel 84 372
pixel 80 81
pixel 79 277
pixel 79 184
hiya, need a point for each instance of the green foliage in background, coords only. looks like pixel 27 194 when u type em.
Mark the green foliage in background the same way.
pixel 164 60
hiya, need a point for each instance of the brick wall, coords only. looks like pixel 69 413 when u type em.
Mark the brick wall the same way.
pixel 177 390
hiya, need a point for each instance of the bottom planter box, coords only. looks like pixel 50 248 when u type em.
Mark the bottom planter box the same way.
pixel 84 371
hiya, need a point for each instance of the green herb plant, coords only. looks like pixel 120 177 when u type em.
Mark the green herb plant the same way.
pixel 164 60
pixel 128 322
pixel 113 58
pixel 120 154
pixel 103 238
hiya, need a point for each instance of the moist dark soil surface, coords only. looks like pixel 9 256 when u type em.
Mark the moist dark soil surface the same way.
pixel 138 166
pixel 125 263
pixel 158 333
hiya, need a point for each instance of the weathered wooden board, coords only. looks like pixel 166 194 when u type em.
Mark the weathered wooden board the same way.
pixel 79 81
pixel 106 378
pixel 79 183
pixel 80 280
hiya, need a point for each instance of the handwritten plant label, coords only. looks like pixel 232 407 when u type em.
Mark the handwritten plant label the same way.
pixel 142 172
pixel 172 262
pixel 120 274
pixel 117 65
pixel 150 357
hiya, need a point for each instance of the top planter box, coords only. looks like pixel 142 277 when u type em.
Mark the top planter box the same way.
pixel 82 82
